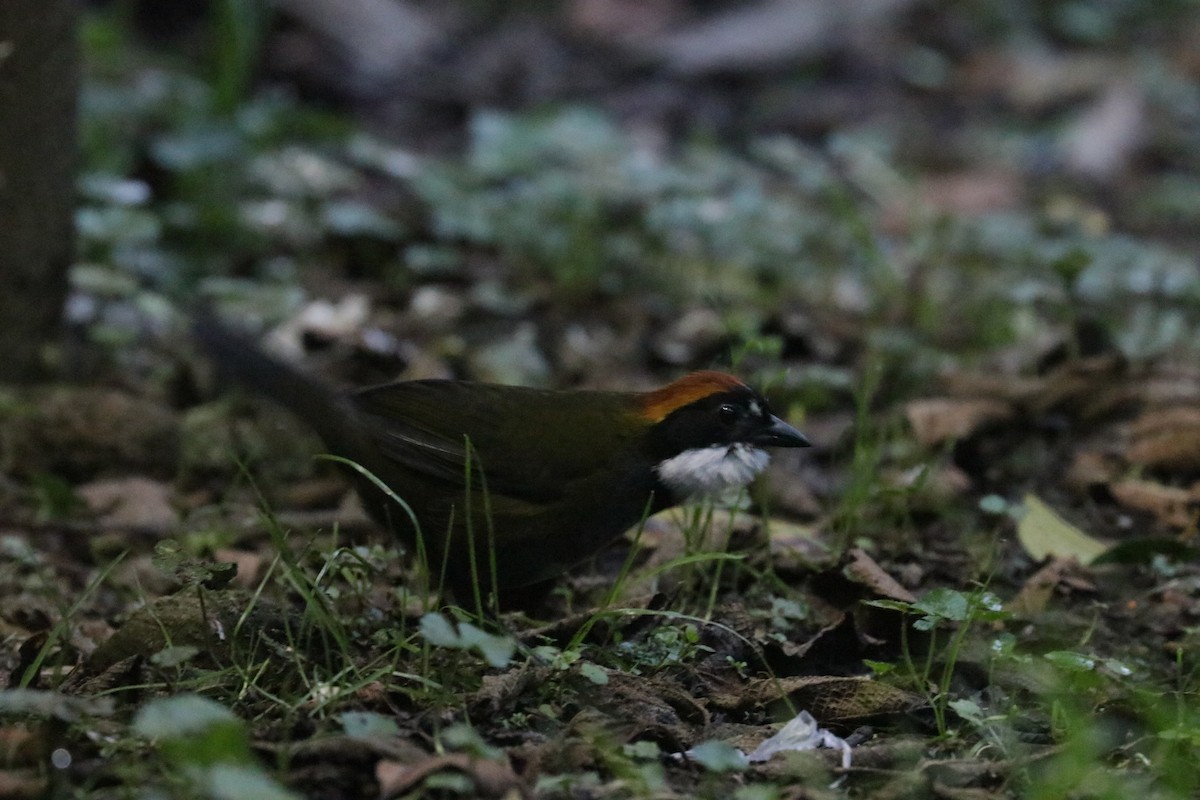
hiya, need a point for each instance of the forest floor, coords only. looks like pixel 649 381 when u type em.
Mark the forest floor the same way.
pixel 956 247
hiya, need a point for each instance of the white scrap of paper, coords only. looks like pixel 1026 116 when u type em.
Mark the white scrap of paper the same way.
pixel 801 733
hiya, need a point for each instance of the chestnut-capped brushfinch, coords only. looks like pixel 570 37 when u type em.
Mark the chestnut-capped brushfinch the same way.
pixel 525 483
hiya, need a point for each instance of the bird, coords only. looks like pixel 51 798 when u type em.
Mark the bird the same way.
pixel 504 486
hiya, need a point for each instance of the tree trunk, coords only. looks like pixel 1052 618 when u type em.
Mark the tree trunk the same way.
pixel 39 86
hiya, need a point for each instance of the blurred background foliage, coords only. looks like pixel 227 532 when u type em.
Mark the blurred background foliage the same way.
pixel 943 178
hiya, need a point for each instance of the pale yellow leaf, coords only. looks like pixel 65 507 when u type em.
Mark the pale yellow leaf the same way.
pixel 1044 533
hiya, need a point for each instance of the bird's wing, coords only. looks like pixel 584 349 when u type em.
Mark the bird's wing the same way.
pixel 524 443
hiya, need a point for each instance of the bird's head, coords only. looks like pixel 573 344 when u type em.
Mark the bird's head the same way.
pixel 708 431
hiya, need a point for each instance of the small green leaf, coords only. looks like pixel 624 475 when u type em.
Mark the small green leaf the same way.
pixel 1071 662
pixel 1004 645
pixel 367 725
pixel 1072 263
pixel 879 667
pixel 784 609
pixel 891 605
pixel 988 607
pixel 594 673
pixel 192 731
pixel 180 716
pixel 438 631
pixel 174 656
pixel 757 791
pixel 968 710
pixel 718 757
pixel 356 218
pixel 993 504
pixel 463 738
pixel 643 750
pixel 496 650
pixel 559 659
pixel 454 784
pixel 1118 668
pixel 1181 733
pixel 945 604
pixel 56 498
pixel 1145 550
pixel 243 782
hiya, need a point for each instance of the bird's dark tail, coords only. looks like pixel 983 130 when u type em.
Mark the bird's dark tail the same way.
pixel 238 360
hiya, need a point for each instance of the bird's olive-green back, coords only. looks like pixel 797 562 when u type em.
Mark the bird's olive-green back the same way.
pixel 529 443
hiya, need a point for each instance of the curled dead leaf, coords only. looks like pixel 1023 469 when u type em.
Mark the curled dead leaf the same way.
pixel 1036 592
pixel 1093 468
pixel 863 570
pixel 1166 439
pixel 249 563
pixel 18 784
pixel 1086 387
pixel 134 503
pixel 1012 389
pixel 24 745
pixel 937 420
pixel 1170 385
pixel 1171 505
pixel 491 779
pixel 972 193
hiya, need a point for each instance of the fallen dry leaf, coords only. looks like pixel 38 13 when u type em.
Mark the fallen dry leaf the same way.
pixel 23 746
pixel 249 565
pixel 1014 389
pixel 1036 592
pixel 1171 505
pixel 1037 79
pixel 937 420
pixel 756 36
pixel 973 192
pixel 624 21
pixel 17 784
pixel 862 570
pixel 490 779
pixel 1087 387
pixel 1170 385
pixel 673 534
pixel 133 503
pixel 1093 468
pixel 1166 439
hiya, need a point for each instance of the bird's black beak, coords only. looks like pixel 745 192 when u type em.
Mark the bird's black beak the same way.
pixel 780 434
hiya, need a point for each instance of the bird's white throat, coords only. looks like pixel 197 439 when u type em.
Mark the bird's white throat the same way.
pixel 711 470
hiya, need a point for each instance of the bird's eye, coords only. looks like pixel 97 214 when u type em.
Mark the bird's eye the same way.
pixel 727 414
